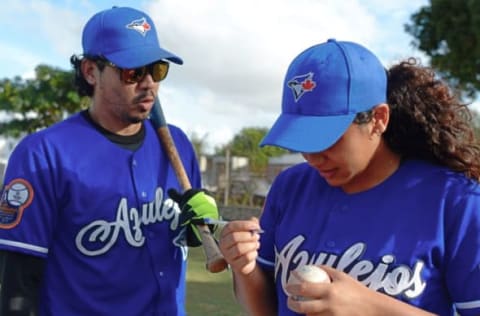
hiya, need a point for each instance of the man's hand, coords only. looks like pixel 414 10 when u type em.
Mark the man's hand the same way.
pixel 196 205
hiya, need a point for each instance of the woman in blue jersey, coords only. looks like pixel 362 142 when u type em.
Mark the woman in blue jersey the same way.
pixel 387 202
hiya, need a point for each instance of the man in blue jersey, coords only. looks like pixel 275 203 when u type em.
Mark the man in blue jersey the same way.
pixel 387 201
pixel 86 226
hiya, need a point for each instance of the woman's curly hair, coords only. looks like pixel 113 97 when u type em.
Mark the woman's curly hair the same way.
pixel 427 120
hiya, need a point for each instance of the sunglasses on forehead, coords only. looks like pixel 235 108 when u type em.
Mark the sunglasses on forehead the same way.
pixel 157 70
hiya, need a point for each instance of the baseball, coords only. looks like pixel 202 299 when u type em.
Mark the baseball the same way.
pixel 308 273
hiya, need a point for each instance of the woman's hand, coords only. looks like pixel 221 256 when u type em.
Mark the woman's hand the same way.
pixel 239 243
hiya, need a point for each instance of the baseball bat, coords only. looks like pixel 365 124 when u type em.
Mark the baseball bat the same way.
pixel 214 258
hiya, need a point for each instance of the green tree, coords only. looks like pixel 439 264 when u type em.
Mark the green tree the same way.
pixel 448 32
pixel 246 143
pixel 33 104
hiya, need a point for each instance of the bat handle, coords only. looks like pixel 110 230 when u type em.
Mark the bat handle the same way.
pixel 215 261
pixel 214 258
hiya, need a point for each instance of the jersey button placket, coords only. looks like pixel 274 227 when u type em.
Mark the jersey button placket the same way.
pixel 336 220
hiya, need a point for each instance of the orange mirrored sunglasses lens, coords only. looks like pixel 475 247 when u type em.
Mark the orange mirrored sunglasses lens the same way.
pixel 158 71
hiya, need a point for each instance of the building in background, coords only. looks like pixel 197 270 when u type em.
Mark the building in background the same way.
pixel 280 163
pixel 233 183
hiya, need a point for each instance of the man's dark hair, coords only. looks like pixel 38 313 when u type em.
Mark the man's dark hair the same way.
pixel 83 87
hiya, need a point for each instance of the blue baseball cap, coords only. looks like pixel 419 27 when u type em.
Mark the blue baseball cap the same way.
pixel 126 37
pixel 324 88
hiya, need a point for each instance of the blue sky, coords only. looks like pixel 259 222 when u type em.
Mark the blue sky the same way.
pixel 235 52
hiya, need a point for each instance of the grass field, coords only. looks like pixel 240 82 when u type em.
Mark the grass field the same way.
pixel 209 293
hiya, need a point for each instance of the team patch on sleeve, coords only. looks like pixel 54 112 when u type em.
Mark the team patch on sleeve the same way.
pixel 15 198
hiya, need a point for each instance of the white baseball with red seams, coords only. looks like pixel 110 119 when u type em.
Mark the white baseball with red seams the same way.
pixel 308 273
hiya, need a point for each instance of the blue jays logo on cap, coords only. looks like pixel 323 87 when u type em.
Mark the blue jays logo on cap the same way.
pixel 140 25
pixel 301 85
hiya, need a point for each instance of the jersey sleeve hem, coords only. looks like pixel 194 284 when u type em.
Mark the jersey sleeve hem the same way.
pixel 468 308
pixel 25 248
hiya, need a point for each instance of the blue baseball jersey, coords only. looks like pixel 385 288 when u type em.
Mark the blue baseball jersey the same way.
pixel 100 216
pixel 415 237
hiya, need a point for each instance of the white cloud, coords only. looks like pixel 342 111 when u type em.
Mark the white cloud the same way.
pixel 18 60
pixel 36 32
pixel 61 26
